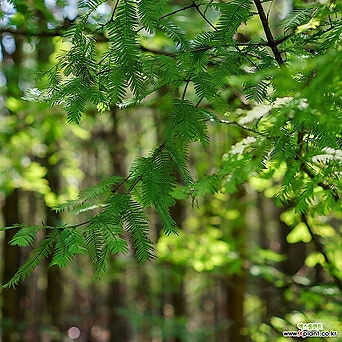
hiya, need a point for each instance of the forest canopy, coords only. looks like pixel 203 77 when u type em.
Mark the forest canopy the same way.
pixel 251 87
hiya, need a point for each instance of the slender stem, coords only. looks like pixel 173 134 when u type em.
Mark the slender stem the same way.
pixel 80 224
pixel 199 101
pixel 283 39
pixel 157 52
pixel 245 56
pixel 178 10
pixel 111 17
pixel 269 10
pixel 243 127
pixel 114 10
pixel 208 5
pixel 203 16
pixel 185 88
pixel 169 14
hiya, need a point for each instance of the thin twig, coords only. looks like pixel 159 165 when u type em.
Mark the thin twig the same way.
pixel 199 101
pixel 269 10
pixel 185 88
pixel 79 224
pixel 178 10
pixel 157 52
pixel 114 10
pixel 169 14
pixel 204 17
pixel 241 126
pixel 283 39
pixel 111 17
pixel 245 55
pixel 208 5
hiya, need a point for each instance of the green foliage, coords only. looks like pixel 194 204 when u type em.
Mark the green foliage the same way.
pixel 69 242
pixel 25 236
pixel 295 143
pixel 38 254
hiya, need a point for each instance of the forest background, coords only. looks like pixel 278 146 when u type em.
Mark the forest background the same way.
pixel 170 170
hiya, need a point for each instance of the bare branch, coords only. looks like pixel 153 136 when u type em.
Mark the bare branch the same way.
pixel 270 39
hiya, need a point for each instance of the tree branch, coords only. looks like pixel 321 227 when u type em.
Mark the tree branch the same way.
pixel 185 88
pixel 243 127
pixel 203 16
pixel 178 10
pixel 270 39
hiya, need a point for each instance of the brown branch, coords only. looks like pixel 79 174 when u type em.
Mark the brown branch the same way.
pixel 270 39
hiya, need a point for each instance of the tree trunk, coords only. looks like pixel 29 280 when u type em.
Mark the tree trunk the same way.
pixel 12 298
pixel 118 324
pixel 178 294
pixel 295 255
pixel 54 289
pixel 235 284
pixel 11 317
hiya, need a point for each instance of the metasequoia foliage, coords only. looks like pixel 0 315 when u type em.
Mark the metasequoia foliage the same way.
pixel 294 130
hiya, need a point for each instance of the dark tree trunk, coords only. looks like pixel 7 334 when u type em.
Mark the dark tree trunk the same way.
pixel 54 289
pixel 12 298
pixel 235 284
pixel 178 295
pixel 118 324
pixel 268 294
pixel 295 254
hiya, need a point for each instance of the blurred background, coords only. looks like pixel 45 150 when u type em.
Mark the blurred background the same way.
pixel 240 270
